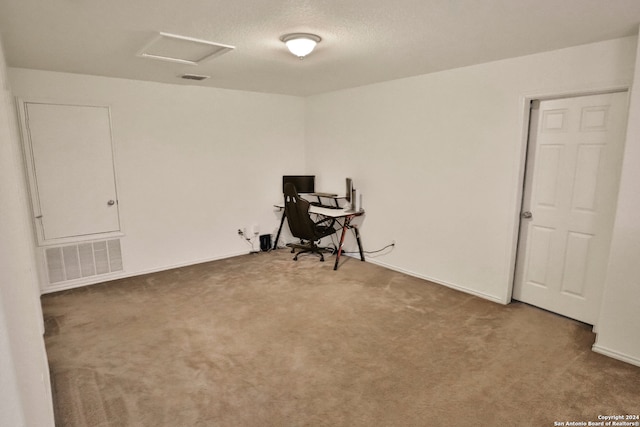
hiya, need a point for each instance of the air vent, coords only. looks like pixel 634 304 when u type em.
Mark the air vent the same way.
pixel 72 262
pixel 194 77
pixel 185 50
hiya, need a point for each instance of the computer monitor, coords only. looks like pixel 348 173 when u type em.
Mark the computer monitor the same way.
pixel 349 182
pixel 303 183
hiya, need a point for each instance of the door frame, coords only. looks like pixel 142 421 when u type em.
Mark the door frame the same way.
pixel 525 106
pixel 29 168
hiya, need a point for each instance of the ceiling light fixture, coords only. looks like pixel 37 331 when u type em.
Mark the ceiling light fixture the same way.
pixel 300 44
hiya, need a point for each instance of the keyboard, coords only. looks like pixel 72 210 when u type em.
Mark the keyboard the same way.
pixel 320 205
pixel 325 194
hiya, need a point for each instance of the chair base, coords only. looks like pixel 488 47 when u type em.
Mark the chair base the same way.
pixel 309 247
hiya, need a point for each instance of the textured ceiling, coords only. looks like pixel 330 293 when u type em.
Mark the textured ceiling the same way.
pixel 364 41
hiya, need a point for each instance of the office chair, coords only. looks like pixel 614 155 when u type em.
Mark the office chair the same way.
pixel 302 226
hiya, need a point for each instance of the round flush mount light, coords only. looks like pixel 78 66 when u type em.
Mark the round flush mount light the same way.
pixel 300 44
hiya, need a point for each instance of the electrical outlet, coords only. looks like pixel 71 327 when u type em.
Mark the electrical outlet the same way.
pixel 240 232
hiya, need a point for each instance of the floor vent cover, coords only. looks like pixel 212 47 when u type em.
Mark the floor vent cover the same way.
pixel 81 260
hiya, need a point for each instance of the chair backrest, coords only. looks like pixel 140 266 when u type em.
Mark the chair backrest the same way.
pixel 297 211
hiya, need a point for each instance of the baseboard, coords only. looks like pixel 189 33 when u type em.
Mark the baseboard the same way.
pixel 440 282
pixel 616 355
pixel 124 274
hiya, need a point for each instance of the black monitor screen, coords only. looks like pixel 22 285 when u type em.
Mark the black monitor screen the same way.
pixel 303 183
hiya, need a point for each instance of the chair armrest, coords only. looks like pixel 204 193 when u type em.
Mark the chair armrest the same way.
pixel 324 220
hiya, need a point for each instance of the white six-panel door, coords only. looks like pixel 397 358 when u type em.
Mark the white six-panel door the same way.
pixel 573 168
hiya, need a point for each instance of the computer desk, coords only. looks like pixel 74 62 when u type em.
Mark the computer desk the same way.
pixel 342 216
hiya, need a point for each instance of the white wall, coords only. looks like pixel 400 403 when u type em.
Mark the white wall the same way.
pixel 25 398
pixel 619 325
pixel 193 164
pixel 439 158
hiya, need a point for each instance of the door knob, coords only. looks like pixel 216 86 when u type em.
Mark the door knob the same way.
pixel 111 202
pixel 526 215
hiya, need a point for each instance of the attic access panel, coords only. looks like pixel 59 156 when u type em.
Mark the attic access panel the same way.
pixel 184 50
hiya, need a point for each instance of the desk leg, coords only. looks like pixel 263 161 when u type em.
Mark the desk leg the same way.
pixel 344 231
pixel 355 229
pixel 275 244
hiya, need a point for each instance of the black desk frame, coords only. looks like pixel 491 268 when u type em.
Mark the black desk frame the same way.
pixel 343 218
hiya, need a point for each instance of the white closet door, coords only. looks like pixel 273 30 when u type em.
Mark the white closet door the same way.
pixel 71 162
pixel 573 169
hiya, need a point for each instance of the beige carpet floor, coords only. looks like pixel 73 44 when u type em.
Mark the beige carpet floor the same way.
pixel 260 340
